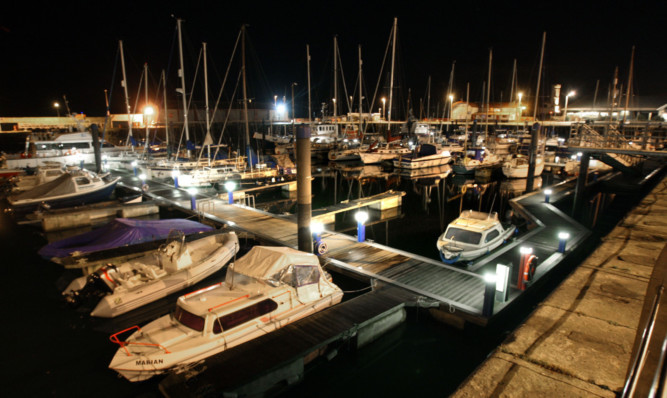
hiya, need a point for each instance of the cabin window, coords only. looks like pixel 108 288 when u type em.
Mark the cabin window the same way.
pixel 491 235
pixel 306 275
pixel 189 319
pixel 463 236
pixel 82 181
pixel 244 315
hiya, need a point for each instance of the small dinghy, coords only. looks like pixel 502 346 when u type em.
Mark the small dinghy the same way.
pixel 264 290
pixel 472 235
pixel 154 274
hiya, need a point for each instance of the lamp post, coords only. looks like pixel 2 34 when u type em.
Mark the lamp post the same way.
pixel 361 218
pixel 547 194
pixel 57 106
pixel 174 175
pixel 562 241
pixel 567 97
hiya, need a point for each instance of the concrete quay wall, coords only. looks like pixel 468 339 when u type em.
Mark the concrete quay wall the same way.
pixel 579 341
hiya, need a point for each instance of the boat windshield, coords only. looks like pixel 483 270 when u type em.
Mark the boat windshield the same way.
pixel 463 236
pixel 189 319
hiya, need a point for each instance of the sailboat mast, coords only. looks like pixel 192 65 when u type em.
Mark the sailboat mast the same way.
pixel 513 81
pixel 465 131
pixel 127 98
pixel 361 131
pixel 488 96
pixel 181 73
pixel 335 97
pixel 539 76
pixel 310 111
pixel 428 98
pixel 628 91
pixel 391 78
pixel 166 119
pixel 146 105
pixel 245 100
pixel 207 140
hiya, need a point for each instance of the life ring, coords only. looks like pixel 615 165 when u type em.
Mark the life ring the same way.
pixel 529 269
pixel 464 189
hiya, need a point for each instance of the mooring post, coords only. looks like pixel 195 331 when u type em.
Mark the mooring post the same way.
pixel 94 130
pixel 489 295
pixel 532 154
pixel 303 188
pixel 581 183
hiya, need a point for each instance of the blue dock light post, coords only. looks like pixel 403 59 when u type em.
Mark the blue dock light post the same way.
pixel 562 241
pixel 230 186
pixel 361 217
pixel 316 229
pixel 134 167
pixel 547 194
pixel 105 163
pixel 144 186
pixel 174 175
pixel 193 200
pixel 489 295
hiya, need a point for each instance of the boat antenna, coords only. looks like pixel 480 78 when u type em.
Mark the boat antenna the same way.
pixel 492 203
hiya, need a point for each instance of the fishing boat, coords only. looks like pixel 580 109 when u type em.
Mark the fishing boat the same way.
pixel 472 235
pixel 264 290
pixel 76 187
pixel 154 274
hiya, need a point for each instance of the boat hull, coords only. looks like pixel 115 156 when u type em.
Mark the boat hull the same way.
pixel 69 200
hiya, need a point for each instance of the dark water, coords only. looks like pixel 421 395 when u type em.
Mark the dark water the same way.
pixel 53 350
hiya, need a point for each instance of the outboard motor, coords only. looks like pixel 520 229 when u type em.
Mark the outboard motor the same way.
pixel 98 284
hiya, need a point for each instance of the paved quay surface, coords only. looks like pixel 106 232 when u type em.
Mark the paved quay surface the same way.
pixel 578 342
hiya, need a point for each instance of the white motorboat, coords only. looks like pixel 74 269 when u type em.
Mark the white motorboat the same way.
pixel 154 274
pixel 425 155
pixel 49 171
pixel 377 153
pixel 518 167
pixel 472 235
pixel 264 290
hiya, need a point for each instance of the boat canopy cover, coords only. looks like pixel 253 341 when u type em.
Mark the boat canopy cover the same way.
pixel 120 232
pixel 62 185
pixel 265 262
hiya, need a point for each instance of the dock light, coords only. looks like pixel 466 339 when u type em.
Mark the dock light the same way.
pixel 144 186
pixel 502 282
pixel 562 241
pixel 547 194
pixel 230 186
pixel 193 200
pixel 361 217
pixel 579 154
pixel 80 161
pixel 174 175
pixel 134 167
pixel 489 294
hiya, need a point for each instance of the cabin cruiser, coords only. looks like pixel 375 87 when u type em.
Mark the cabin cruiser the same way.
pixel 154 274
pixel 264 290
pixel 376 152
pixel 426 155
pixel 472 235
pixel 517 167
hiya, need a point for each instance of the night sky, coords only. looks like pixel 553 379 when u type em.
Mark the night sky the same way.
pixel 55 49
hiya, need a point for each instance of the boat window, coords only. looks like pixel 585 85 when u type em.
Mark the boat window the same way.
pixel 189 319
pixel 246 314
pixel 463 236
pixel 306 275
pixel 82 181
pixel 492 235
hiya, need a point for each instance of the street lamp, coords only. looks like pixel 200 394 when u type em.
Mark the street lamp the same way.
pixel 567 97
pixel 361 217
pixel 384 100
pixel 57 106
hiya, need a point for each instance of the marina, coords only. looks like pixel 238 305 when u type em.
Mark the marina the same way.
pixel 373 216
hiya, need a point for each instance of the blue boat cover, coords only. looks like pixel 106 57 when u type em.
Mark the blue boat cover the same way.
pixel 120 232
